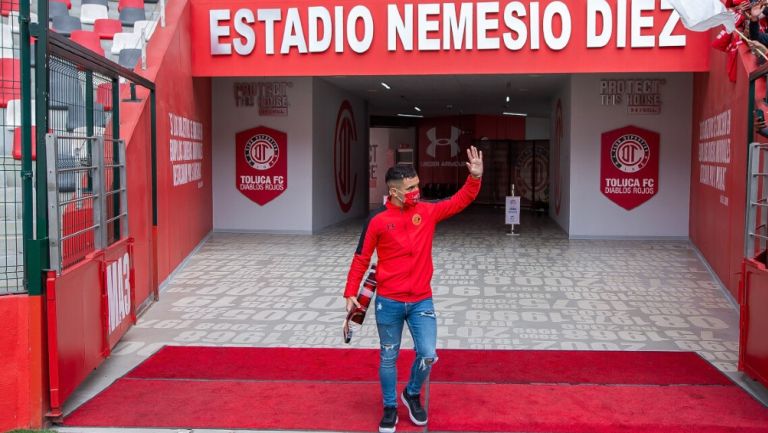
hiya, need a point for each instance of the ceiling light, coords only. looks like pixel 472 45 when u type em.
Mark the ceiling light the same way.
pixel 507 98
pixel 507 113
pixel 409 115
pixel 386 86
pixel 417 109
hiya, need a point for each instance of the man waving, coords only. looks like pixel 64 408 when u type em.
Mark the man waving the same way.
pixel 401 232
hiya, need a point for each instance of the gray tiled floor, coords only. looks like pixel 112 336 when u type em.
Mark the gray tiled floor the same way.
pixel 538 290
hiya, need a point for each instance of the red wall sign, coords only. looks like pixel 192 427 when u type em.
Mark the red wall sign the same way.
pixel 345 137
pixel 399 37
pixel 629 166
pixel 261 163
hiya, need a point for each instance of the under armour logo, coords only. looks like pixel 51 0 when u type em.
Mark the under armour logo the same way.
pixel 453 141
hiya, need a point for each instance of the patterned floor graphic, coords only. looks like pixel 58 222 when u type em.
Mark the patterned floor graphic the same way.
pixel 537 290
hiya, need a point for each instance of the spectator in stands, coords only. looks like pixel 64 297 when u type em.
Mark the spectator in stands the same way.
pixel 401 233
pixel 760 125
pixel 755 33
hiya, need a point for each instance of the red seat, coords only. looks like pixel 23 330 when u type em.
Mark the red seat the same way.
pixel 10 81
pixel 106 28
pixel 87 39
pixel 17 144
pixel 66 2
pixel 139 4
pixel 104 94
pixel 77 218
pixel 8 6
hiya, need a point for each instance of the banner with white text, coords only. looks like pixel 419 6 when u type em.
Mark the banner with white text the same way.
pixel 340 37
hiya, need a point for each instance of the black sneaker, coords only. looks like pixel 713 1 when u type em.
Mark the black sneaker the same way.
pixel 389 420
pixel 415 411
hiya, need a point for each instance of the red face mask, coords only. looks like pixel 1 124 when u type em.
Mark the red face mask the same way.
pixel 411 198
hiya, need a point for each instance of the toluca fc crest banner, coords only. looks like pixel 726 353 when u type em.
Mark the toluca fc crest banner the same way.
pixel 261 163
pixel 629 166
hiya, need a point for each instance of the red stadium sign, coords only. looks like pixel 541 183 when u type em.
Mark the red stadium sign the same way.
pixel 261 164
pixel 397 37
pixel 629 166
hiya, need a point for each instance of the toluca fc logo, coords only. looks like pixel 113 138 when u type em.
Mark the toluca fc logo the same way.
pixel 344 140
pixel 261 166
pixel 262 152
pixel 630 153
pixel 629 165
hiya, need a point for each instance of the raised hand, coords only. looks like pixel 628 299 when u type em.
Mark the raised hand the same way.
pixel 475 164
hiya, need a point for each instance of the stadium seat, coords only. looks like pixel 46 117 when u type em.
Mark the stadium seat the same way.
pixel 88 39
pixel 65 90
pixel 67 3
pixel 68 180
pixel 17 144
pixel 6 35
pixel 128 16
pixel 98 131
pixel 129 57
pixel 95 2
pixel 57 119
pixel 13 114
pixel 8 6
pixel 10 81
pixel 136 4
pixel 90 13
pixel 106 28
pixel 13 20
pixel 77 117
pixel 125 40
pixel 104 95
pixel 57 10
pixel 66 24
pixel 145 26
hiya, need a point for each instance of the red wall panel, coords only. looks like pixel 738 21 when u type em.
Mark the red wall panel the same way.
pixel 185 212
pixel 717 217
pixel 14 357
pixel 753 347
pixel 79 348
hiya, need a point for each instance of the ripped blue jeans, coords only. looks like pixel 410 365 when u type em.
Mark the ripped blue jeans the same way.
pixel 390 317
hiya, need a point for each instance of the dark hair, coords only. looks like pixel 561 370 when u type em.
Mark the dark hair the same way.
pixel 400 172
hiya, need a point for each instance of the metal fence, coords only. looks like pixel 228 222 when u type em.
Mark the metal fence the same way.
pixel 87 198
pixel 756 224
pixel 11 234
pixel 55 93
pixel 757 211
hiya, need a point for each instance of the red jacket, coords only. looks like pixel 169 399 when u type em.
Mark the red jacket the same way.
pixel 402 239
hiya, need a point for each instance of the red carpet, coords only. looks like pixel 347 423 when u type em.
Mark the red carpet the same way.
pixel 227 404
pixel 594 409
pixel 494 366
pixel 510 391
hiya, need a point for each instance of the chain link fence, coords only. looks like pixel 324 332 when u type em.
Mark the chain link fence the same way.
pixel 11 234
pixel 86 166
